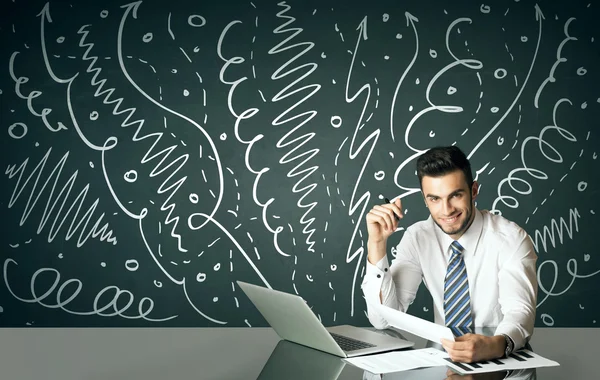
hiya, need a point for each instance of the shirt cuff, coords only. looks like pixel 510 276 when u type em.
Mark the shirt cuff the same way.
pixel 378 279
pixel 513 333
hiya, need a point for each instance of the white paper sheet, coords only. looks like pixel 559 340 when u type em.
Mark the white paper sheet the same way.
pixel 526 359
pixel 397 361
pixel 414 325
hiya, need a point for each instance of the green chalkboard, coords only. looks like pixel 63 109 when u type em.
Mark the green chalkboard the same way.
pixel 155 152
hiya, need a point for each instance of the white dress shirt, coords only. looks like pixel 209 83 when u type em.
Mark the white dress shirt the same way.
pixel 501 269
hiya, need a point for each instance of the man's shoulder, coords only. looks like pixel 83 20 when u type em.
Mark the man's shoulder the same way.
pixel 421 227
pixel 500 225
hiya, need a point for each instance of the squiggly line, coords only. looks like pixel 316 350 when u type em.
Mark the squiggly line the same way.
pixel 132 8
pixel 246 114
pixel 410 19
pixel 535 173
pixel 96 230
pixel 61 302
pixel 559 60
pixel 307 117
pixel 571 268
pixel 353 153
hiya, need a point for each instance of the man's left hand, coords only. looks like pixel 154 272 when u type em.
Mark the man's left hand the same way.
pixel 471 348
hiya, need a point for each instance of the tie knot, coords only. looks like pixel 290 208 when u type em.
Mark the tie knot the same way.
pixel 456 247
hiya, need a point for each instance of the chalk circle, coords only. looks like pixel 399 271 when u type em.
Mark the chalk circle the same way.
pixel 494 109
pixel 500 140
pixel 524 39
pixel 333 267
pixel 594 156
pixel 431 133
pixel 174 71
pixel 386 17
pixel 581 186
pixel 432 53
pixel 158 284
pixel 386 57
pixel 17 136
pixel 192 21
pixel 0 91
pixel 60 39
pixel 37 144
pixel 583 105
pixel 336 121
pixel 200 277
pixel 130 176
pixel 147 37
pixel 500 74
pixel 91 164
pixel 196 49
pixel 186 92
pixel 215 299
pixel 451 90
pixel 104 13
pixel 132 265
pixel 217 267
pixel 103 264
pixel 410 108
pixel 485 8
pixel 309 277
pixel 223 136
pixel 398 36
pixel 581 71
pixel 548 320
pixel 1 309
pixel 94 115
pixel 417 81
pixel 380 175
pixel 194 198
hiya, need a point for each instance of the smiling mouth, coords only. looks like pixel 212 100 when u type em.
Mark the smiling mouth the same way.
pixel 451 220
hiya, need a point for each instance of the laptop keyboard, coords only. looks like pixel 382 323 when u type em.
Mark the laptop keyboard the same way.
pixel 349 344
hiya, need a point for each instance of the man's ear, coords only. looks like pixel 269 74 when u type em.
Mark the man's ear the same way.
pixel 474 190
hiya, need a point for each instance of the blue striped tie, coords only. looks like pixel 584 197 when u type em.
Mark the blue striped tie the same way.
pixel 457 303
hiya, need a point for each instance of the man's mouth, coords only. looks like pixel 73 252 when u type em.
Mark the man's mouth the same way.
pixel 451 220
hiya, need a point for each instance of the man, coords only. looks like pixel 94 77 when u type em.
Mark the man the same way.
pixel 479 267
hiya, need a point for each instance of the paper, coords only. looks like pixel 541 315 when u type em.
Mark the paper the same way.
pixel 397 361
pixel 521 359
pixel 414 325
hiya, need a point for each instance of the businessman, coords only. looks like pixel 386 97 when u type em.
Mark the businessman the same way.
pixel 480 268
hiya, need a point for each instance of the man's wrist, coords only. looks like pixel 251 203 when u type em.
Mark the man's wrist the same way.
pixel 500 346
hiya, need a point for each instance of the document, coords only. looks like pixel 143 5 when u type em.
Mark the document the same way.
pixel 521 359
pixel 414 325
pixel 397 361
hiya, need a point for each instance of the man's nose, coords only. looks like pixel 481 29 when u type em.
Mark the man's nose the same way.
pixel 447 207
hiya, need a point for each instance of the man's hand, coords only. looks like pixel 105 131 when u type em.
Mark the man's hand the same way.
pixel 471 348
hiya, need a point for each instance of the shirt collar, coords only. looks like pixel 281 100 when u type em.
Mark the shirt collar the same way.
pixel 468 240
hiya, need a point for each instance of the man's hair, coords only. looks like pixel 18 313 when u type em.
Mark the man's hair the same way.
pixel 441 160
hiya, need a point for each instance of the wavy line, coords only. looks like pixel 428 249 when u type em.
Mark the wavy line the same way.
pixel 61 303
pixel 82 224
pixel 246 114
pixel 132 8
pixel 308 116
pixel 372 139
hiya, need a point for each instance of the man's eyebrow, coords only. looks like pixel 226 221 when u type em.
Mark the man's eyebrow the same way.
pixel 457 191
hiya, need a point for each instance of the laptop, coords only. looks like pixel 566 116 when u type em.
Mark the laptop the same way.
pixel 294 321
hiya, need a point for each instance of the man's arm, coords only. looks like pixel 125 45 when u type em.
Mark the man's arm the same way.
pixel 518 292
pixel 394 286
pixel 517 299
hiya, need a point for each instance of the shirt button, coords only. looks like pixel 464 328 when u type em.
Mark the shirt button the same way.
pixel 385 269
pixel 378 276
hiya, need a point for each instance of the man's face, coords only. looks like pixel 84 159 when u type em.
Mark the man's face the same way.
pixel 450 202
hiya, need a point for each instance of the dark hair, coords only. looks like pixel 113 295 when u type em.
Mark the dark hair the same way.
pixel 441 160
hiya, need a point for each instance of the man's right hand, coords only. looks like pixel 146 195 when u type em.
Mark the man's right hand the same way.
pixel 381 224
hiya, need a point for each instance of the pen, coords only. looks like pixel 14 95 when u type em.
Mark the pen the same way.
pixel 395 216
